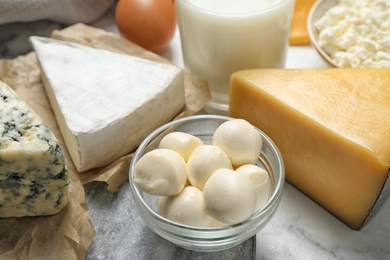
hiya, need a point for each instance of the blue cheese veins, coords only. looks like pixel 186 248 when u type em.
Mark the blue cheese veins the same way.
pixel 33 172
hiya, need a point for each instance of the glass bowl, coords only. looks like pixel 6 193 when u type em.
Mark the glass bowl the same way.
pixel 207 239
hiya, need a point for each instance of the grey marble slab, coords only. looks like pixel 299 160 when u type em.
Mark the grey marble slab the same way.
pixel 122 234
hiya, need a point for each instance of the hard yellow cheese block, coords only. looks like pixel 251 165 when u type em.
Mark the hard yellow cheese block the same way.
pixel 298 33
pixel 332 127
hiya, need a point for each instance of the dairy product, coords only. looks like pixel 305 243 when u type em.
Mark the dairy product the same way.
pixel 260 179
pixel 356 34
pixel 332 129
pixel 299 34
pixel 221 37
pixel 216 223
pixel 33 170
pixel 240 140
pixel 181 142
pixel 229 197
pixel 185 207
pixel 106 103
pixel 203 162
pixel 161 172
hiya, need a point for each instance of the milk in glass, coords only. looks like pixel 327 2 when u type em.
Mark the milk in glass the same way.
pixel 220 37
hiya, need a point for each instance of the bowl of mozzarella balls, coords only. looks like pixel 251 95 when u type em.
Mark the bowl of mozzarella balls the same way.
pixel 207 182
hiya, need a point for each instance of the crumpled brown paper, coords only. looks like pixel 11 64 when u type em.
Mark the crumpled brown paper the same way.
pixel 68 234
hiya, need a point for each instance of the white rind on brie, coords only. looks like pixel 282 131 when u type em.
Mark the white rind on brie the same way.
pixel 105 103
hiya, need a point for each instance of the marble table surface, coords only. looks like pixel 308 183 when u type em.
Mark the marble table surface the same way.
pixel 299 230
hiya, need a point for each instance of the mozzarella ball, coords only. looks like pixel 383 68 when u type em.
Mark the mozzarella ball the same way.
pixel 229 197
pixel 203 162
pixel 260 179
pixel 185 207
pixel 182 143
pixel 240 140
pixel 216 223
pixel 161 172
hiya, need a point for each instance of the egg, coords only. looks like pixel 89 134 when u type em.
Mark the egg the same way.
pixel 150 24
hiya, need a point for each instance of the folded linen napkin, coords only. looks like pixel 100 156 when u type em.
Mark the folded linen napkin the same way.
pixel 63 11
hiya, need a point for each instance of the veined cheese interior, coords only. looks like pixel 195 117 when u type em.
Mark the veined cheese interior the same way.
pixel 33 172
pixel 332 127
pixel 105 103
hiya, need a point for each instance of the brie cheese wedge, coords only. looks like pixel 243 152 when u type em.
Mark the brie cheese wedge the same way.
pixel 106 103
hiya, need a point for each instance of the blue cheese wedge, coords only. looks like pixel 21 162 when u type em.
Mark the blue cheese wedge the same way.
pixel 33 171
pixel 106 103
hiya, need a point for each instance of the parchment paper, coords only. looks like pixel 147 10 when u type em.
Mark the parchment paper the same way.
pixel 68 234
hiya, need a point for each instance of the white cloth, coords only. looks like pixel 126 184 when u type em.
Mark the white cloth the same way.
pixel 63 11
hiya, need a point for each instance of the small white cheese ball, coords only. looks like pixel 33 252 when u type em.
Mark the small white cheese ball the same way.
pixel 229 197
pixel 203 162
pixel 161 172
pixel 185 207
pixel 182 143
pixel 260 179
pixel 240 140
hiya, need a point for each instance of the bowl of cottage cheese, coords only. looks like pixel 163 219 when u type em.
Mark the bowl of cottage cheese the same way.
pixel 207 182
pixel 350 33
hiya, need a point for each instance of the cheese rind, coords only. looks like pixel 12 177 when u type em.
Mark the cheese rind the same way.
pixel 33 172
pixel 332 129
pixel 106 103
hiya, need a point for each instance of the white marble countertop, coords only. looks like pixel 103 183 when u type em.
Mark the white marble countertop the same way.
pixel 300 229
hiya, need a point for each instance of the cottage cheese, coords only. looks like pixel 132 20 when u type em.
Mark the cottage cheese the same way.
pixel 356 34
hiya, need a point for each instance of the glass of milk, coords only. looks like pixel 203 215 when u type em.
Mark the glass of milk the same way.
pixel 220 37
